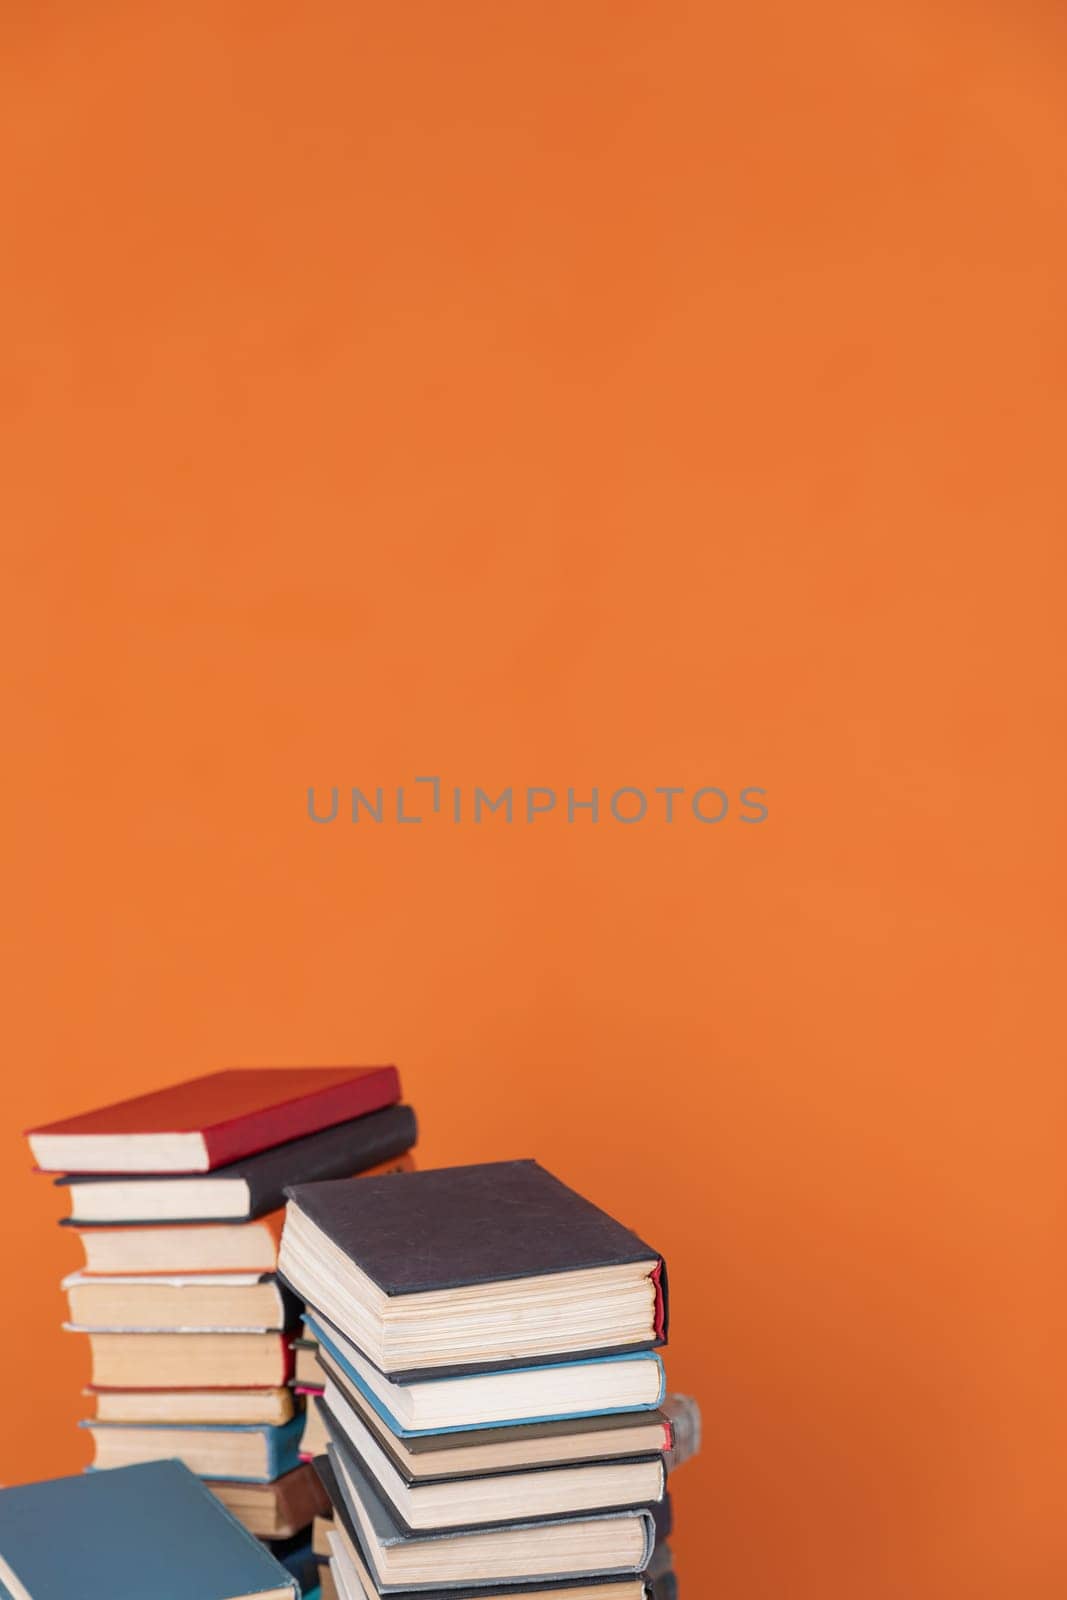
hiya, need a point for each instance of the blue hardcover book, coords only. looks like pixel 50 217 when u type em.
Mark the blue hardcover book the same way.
pixel 151 1530
pixel 501 1398
pixel 245 1452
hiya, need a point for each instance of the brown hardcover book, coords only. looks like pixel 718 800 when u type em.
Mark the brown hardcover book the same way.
pixel 275 1510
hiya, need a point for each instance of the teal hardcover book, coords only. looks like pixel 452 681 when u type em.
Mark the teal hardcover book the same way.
pixel 276 1447
pixel 151 1530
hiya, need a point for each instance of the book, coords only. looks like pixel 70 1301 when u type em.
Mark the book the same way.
pixel 249 1188
pixel 189 1360
pixel 192 1405
pixel 254 1452
pixel 348 1578
pixel 315 1437
pixel 440 1457
pixel 210 1121
pixel 470 1267
pixel 193 1303
pixel 468 1502
pixel 147 1530
pixel 276 1510
pixel 600 1385
pixel 306 1374
pixel 612 1542
pixel 684 1414
pixel 182 1248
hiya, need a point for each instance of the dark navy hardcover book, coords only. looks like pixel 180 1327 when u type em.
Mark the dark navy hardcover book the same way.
pixel 454 1226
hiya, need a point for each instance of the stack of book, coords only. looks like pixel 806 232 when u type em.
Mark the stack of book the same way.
pixel 492 1395
pixel 177 1198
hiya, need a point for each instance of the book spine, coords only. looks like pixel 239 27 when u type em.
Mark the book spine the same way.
pixel 283 1448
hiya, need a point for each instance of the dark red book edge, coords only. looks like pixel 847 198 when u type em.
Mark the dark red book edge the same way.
pixel 661 1314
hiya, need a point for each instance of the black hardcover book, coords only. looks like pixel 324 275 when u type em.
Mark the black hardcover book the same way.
pixel 483 1227
pixel 482 1590
pixel 246 1189
pixel 452 1227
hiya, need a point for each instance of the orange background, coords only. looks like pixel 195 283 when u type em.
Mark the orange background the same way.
pixel 570 394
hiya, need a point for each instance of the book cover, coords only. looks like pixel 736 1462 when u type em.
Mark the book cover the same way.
pixel 341 1151
pixel 454 1227
pixel 213 1120
pixel 461 1229
pixel 129 1533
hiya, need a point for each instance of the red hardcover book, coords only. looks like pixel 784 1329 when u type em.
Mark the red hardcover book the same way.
pixel 211 1121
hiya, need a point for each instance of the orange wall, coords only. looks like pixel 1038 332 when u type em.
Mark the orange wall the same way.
pixel 571 394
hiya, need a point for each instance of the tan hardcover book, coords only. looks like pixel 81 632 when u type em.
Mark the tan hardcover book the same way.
pixel 192 1302
pixel 189 1360
pixel 189 1247
pixel 218 1406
